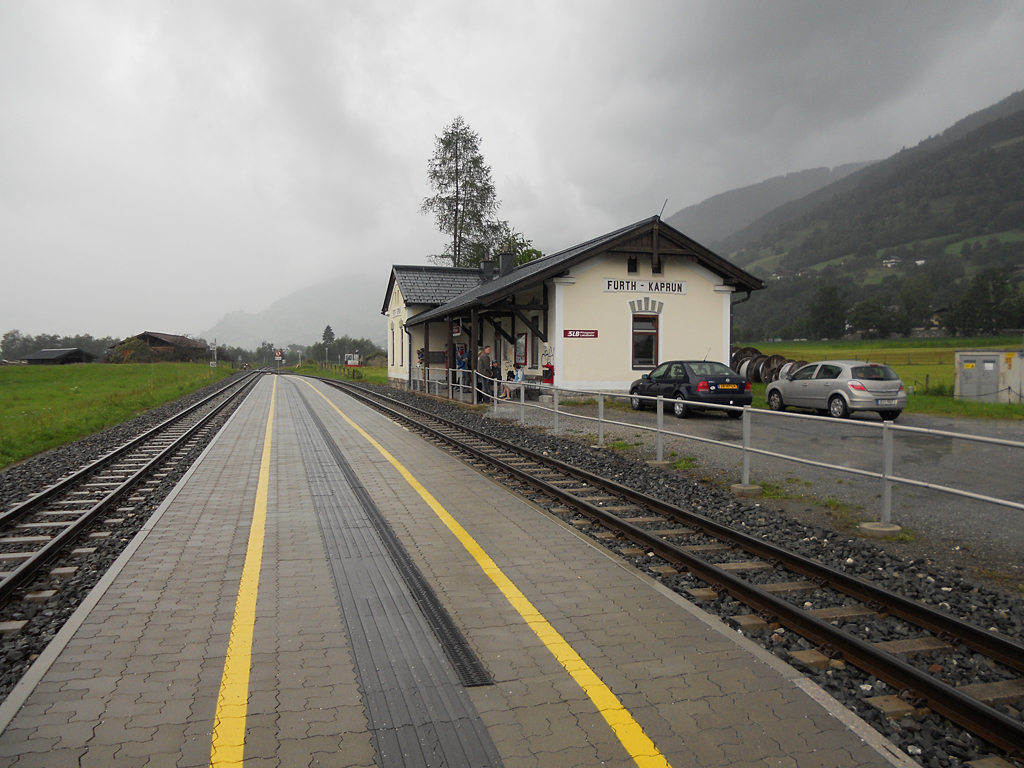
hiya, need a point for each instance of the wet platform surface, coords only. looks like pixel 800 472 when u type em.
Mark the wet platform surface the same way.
pixel 592 663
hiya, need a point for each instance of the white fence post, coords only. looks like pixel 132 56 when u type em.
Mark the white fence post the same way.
pixel 661 427
pixel 745 473
pixel 600 421
pixel 886 473
pixel 522 402
pixel 554 392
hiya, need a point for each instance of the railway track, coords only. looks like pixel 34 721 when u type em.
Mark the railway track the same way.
pixel 834 611
pixel 65 515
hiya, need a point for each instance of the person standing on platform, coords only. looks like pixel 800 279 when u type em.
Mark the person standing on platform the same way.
pixel 460 367
pixel 483 367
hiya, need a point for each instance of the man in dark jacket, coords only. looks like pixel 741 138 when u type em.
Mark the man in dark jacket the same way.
pixel 483 367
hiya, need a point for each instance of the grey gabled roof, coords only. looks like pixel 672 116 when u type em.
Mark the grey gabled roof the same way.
pixel 535 272
pixel 56 354
pixel 172 339
pixel 430 285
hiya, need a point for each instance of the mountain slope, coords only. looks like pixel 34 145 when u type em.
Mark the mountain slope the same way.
pixel 719 216
pixel 902 162
pixel 904 238
pixel 349 304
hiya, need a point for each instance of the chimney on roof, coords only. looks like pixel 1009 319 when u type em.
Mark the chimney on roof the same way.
pixel 487 268
pixel 506 263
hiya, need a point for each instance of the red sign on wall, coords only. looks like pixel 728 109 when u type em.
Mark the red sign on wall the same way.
pixel 580 334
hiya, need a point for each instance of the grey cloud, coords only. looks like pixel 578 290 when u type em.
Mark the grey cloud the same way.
pixel 237 152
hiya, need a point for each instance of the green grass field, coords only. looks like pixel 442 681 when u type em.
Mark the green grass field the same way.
pixel 366 374
pixel 43 406
pixel 925 365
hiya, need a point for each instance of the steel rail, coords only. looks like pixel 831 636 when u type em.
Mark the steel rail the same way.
pixel 64 483
pixel 31 566
pixel 1000 647
pixel 978 717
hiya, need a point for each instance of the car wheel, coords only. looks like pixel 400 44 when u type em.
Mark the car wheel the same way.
pixel 680 408
pixel 889 415
pixel 837 407
pixel 734 414
pixel 775 401
pixel 635 402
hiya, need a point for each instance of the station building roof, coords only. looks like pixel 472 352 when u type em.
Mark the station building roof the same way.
pixel 534 273
pixel 430 285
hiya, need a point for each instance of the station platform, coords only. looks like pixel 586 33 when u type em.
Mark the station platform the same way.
pixel 262 618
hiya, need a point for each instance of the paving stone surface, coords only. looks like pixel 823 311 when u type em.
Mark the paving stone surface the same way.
pixel 703 698
pixel 138 682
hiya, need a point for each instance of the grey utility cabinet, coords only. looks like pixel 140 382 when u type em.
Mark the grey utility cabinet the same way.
pixel 989 376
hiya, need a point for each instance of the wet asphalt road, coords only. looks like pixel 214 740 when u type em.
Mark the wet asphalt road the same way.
pixel 947 521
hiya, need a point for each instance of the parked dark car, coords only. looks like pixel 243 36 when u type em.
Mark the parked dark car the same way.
pixel 692 385
pixel 839 387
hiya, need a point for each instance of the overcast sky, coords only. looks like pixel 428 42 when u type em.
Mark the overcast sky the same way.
pixel 163 163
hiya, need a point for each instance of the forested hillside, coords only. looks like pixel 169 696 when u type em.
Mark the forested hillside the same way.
pixel 933 234
pixel 719 216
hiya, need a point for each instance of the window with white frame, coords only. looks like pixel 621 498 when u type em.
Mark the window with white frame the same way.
pixel 645 341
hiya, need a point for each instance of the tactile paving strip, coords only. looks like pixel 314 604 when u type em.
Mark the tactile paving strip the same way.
pixel 419 712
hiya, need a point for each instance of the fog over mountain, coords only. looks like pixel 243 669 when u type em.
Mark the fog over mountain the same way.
pixel 718 217
pixel 349 304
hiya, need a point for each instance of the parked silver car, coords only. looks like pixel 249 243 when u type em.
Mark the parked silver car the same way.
pixel 839 387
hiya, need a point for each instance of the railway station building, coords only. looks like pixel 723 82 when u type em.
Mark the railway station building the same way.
pixel 594 316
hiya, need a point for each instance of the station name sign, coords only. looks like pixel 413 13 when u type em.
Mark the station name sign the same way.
pixel 579 334
pixel 612 285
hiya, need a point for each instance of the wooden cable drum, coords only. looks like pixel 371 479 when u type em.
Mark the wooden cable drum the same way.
pixel 771 367
pixel 754 372
pixel 744 367
pixel 741 354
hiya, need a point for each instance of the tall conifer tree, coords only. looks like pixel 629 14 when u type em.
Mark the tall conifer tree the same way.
pixel 464 200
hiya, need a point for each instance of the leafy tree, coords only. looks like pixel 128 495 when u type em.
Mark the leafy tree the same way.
pixel 991 302
pixel 464 200
pixel 328 336
pixel 265 353
pixel 826 313
pixel 499 237
pixel 133 350
pixel 15 345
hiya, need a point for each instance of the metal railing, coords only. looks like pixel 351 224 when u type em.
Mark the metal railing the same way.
pixel 462 384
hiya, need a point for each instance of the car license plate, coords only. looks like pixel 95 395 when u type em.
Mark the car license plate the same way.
pixel 886 402
pixel 728 386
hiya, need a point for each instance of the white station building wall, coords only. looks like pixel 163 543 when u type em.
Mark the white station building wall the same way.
pixel 691 303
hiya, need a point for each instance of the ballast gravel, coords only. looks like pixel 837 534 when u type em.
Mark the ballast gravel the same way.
pixel 18 651
pixel 932 740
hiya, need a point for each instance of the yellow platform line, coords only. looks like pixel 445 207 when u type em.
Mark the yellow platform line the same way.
pixel 632 737
pixel 229 723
